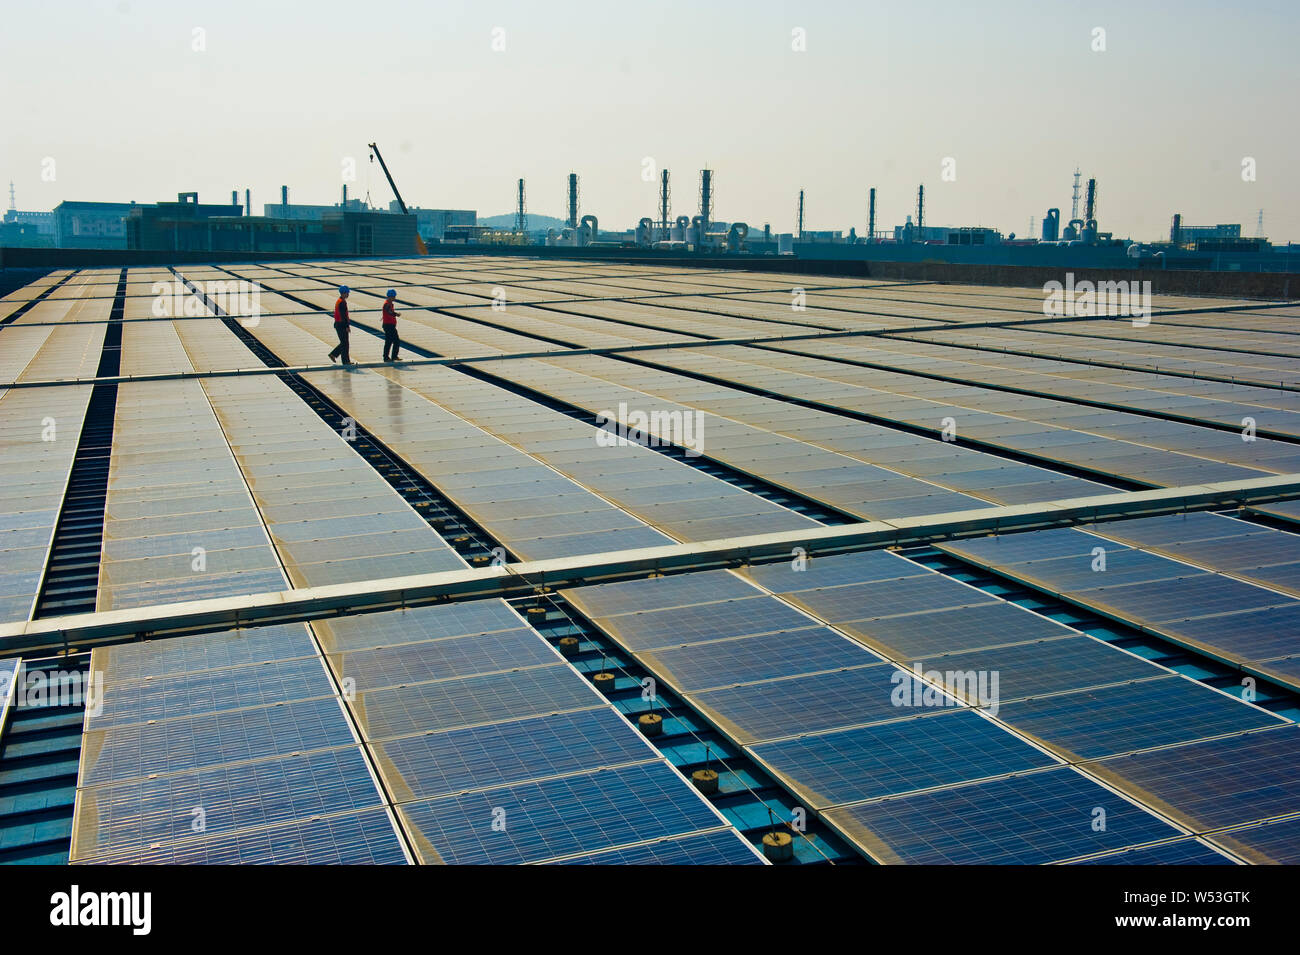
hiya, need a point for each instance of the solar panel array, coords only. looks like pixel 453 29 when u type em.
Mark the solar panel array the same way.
pixel 924 719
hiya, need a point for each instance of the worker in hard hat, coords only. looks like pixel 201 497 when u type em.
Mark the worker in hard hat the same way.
pixel 391 342
pixel 341 326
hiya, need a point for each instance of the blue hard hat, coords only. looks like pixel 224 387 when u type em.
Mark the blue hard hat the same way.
pixel 392 293
pixel 343 290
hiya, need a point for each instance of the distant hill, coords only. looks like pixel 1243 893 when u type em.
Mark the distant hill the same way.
pixel 535 223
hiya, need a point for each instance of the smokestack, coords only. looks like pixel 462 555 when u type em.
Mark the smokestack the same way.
pixel 573 200
pixel 799 230
pixel 345 195
pixel 663 203
pixel 1090 205
pixel 706 198
pixel 871 215
pixel 234 197
pixel 248 202
pixel 521 218
pixel 1176 231
pixel 284 197
pixel 920 210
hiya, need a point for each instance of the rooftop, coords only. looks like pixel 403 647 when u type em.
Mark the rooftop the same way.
pixel 633 563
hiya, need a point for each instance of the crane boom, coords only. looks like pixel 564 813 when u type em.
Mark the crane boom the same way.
pixel 419 242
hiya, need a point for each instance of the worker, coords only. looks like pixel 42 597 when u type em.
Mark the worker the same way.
pixel 391 342
pixel 341 325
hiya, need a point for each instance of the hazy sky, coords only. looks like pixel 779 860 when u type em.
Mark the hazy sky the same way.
pixel 116 94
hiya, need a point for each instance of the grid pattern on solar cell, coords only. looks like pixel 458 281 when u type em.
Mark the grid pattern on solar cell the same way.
pixel 834 571
pixel 415 624
pixel 831 769
pixel 469 701
pixel 885 598
pixel 1031 819
pixel 709 848
pixel 910 636
pixel 141 812
pixel 678 590
pixel 212 739
pixel 1120 719
pixel 1215 783
pixel 354 838
pixel 1041 667
pixel 1273 842
pixel 806 704
pixel 209 691
pixel 441 659
pixel 558 817
pixel 653 629
pixel 748 659
pixel 1175 852
pixel 483 757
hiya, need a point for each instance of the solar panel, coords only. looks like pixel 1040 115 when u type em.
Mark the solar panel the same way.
pixel 1196 595
pixel 806 704
pixel 211 739
pixel 748 659
pixel 1045 816
pixel 678 590
pixel 1275 843
pixel 442 659
pixel 723 847
pixel 437 764
pixel 412 625
pixel 488 698
pixel 1223 782
pixel 209 691
pixel 830 769
pixel 652 629
pixel 884 598
pixel 1174 852
pixel 354 838
pixel 833 571
pixel 909 636
pixel 144 811
pixel 537 821
pixel 1102 722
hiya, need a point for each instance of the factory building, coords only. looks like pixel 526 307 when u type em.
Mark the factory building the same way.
pixel 434 223
pixel 91 225
pixel 189 226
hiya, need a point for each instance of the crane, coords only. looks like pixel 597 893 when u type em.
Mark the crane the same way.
pixel 419 242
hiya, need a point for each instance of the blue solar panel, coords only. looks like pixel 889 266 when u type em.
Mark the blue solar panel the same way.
pixel 182 745
pixel 723 847
pixel 543 820
pixel 1196 595
pixel 1046 816
pixel 354 838
pixel 413 625
pixel 784 577
pixel 1247 635
pixel 224 799
pixel 174 655
pixel 1045 666
pixel 443 659
pixel 831 769
pixel 1005 549
pixel 490 698
pixel 436 764
pixel 652 629
pixel 1134 716
pixel 807 704
pixel 1122 566
pixel 678 590
pixel 210 691
pixel 1224 782
pixel 958 628
pixel 747 659
pixel 1272 842
pixel 886 598
pixel 1177 852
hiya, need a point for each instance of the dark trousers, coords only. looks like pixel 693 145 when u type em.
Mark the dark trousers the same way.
pixel 391 343
pixel 342 348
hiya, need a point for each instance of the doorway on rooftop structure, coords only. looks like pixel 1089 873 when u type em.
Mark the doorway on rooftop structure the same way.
pixel 365 240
